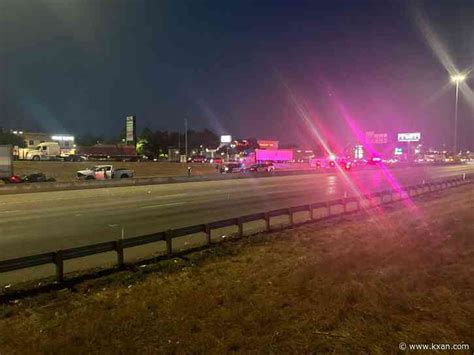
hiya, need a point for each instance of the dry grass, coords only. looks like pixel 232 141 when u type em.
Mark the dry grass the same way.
pixel 66 171
pixel 361 286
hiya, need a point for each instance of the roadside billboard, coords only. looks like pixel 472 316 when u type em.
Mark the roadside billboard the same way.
pixel 226 139
pixel 409 137
pixel 6 161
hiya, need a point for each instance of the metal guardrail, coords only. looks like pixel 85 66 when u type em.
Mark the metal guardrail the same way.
pixel 365 201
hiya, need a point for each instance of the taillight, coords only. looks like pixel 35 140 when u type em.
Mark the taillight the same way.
pixel 15 179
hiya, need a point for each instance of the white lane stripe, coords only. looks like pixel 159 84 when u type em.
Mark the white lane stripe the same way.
pixel 164 205
pixel 13 211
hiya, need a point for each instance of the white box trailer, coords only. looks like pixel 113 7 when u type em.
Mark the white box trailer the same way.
pixel 6 161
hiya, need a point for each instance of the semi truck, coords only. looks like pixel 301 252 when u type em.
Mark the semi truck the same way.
pixel 44 151
pixel 53 151
pixel 117 152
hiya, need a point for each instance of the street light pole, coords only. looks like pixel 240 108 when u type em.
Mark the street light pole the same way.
pixel 459 78
pixel 455 145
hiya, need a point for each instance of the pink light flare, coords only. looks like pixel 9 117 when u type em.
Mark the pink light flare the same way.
pixel 388 176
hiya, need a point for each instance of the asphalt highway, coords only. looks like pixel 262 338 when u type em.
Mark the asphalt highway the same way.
pixel 40 222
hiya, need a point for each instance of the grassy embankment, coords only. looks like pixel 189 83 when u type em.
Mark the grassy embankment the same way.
pixel 361 286
pixel 66 171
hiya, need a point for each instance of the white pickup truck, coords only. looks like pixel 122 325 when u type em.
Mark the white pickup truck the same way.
pixel 104 172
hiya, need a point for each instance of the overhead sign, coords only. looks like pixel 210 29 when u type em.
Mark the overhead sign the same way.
pixel 398 151
pixel 226 139
pixel 376 138
pixel 130 127
pixel 6 161
pixel 409 137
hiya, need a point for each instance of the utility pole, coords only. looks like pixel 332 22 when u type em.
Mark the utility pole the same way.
pixel 186 137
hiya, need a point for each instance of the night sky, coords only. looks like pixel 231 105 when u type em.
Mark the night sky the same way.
pixel 236 67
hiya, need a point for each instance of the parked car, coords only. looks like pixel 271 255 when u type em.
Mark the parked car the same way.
pixel 345 164
pixel 262 167
pixel 104 172
pixel 374 161
pixel 231 168
pixel 216 160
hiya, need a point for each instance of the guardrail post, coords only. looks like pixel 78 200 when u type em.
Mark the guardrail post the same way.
pixel 207 230
pixel 390 195
pixel 311 212
pixel 241 227
pixel 169 242
pixel 58 261
pixel 267 221
pixel 290 215
pixel 119 250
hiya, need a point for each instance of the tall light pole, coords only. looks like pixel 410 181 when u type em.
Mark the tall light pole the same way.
pixel 186 137
pixel 458 78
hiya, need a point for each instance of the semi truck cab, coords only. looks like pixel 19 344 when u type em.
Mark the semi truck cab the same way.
pixel 44 151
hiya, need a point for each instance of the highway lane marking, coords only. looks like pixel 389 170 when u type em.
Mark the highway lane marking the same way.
pixel 165 205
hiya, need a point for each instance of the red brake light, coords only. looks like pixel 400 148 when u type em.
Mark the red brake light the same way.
pixel 14 179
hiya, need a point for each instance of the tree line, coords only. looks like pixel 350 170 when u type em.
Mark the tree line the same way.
pixel 8 138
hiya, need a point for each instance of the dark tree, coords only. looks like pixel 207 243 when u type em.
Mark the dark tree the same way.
pixel 253 144
pixel 289 146
pixel 7 138
pixel 88 140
